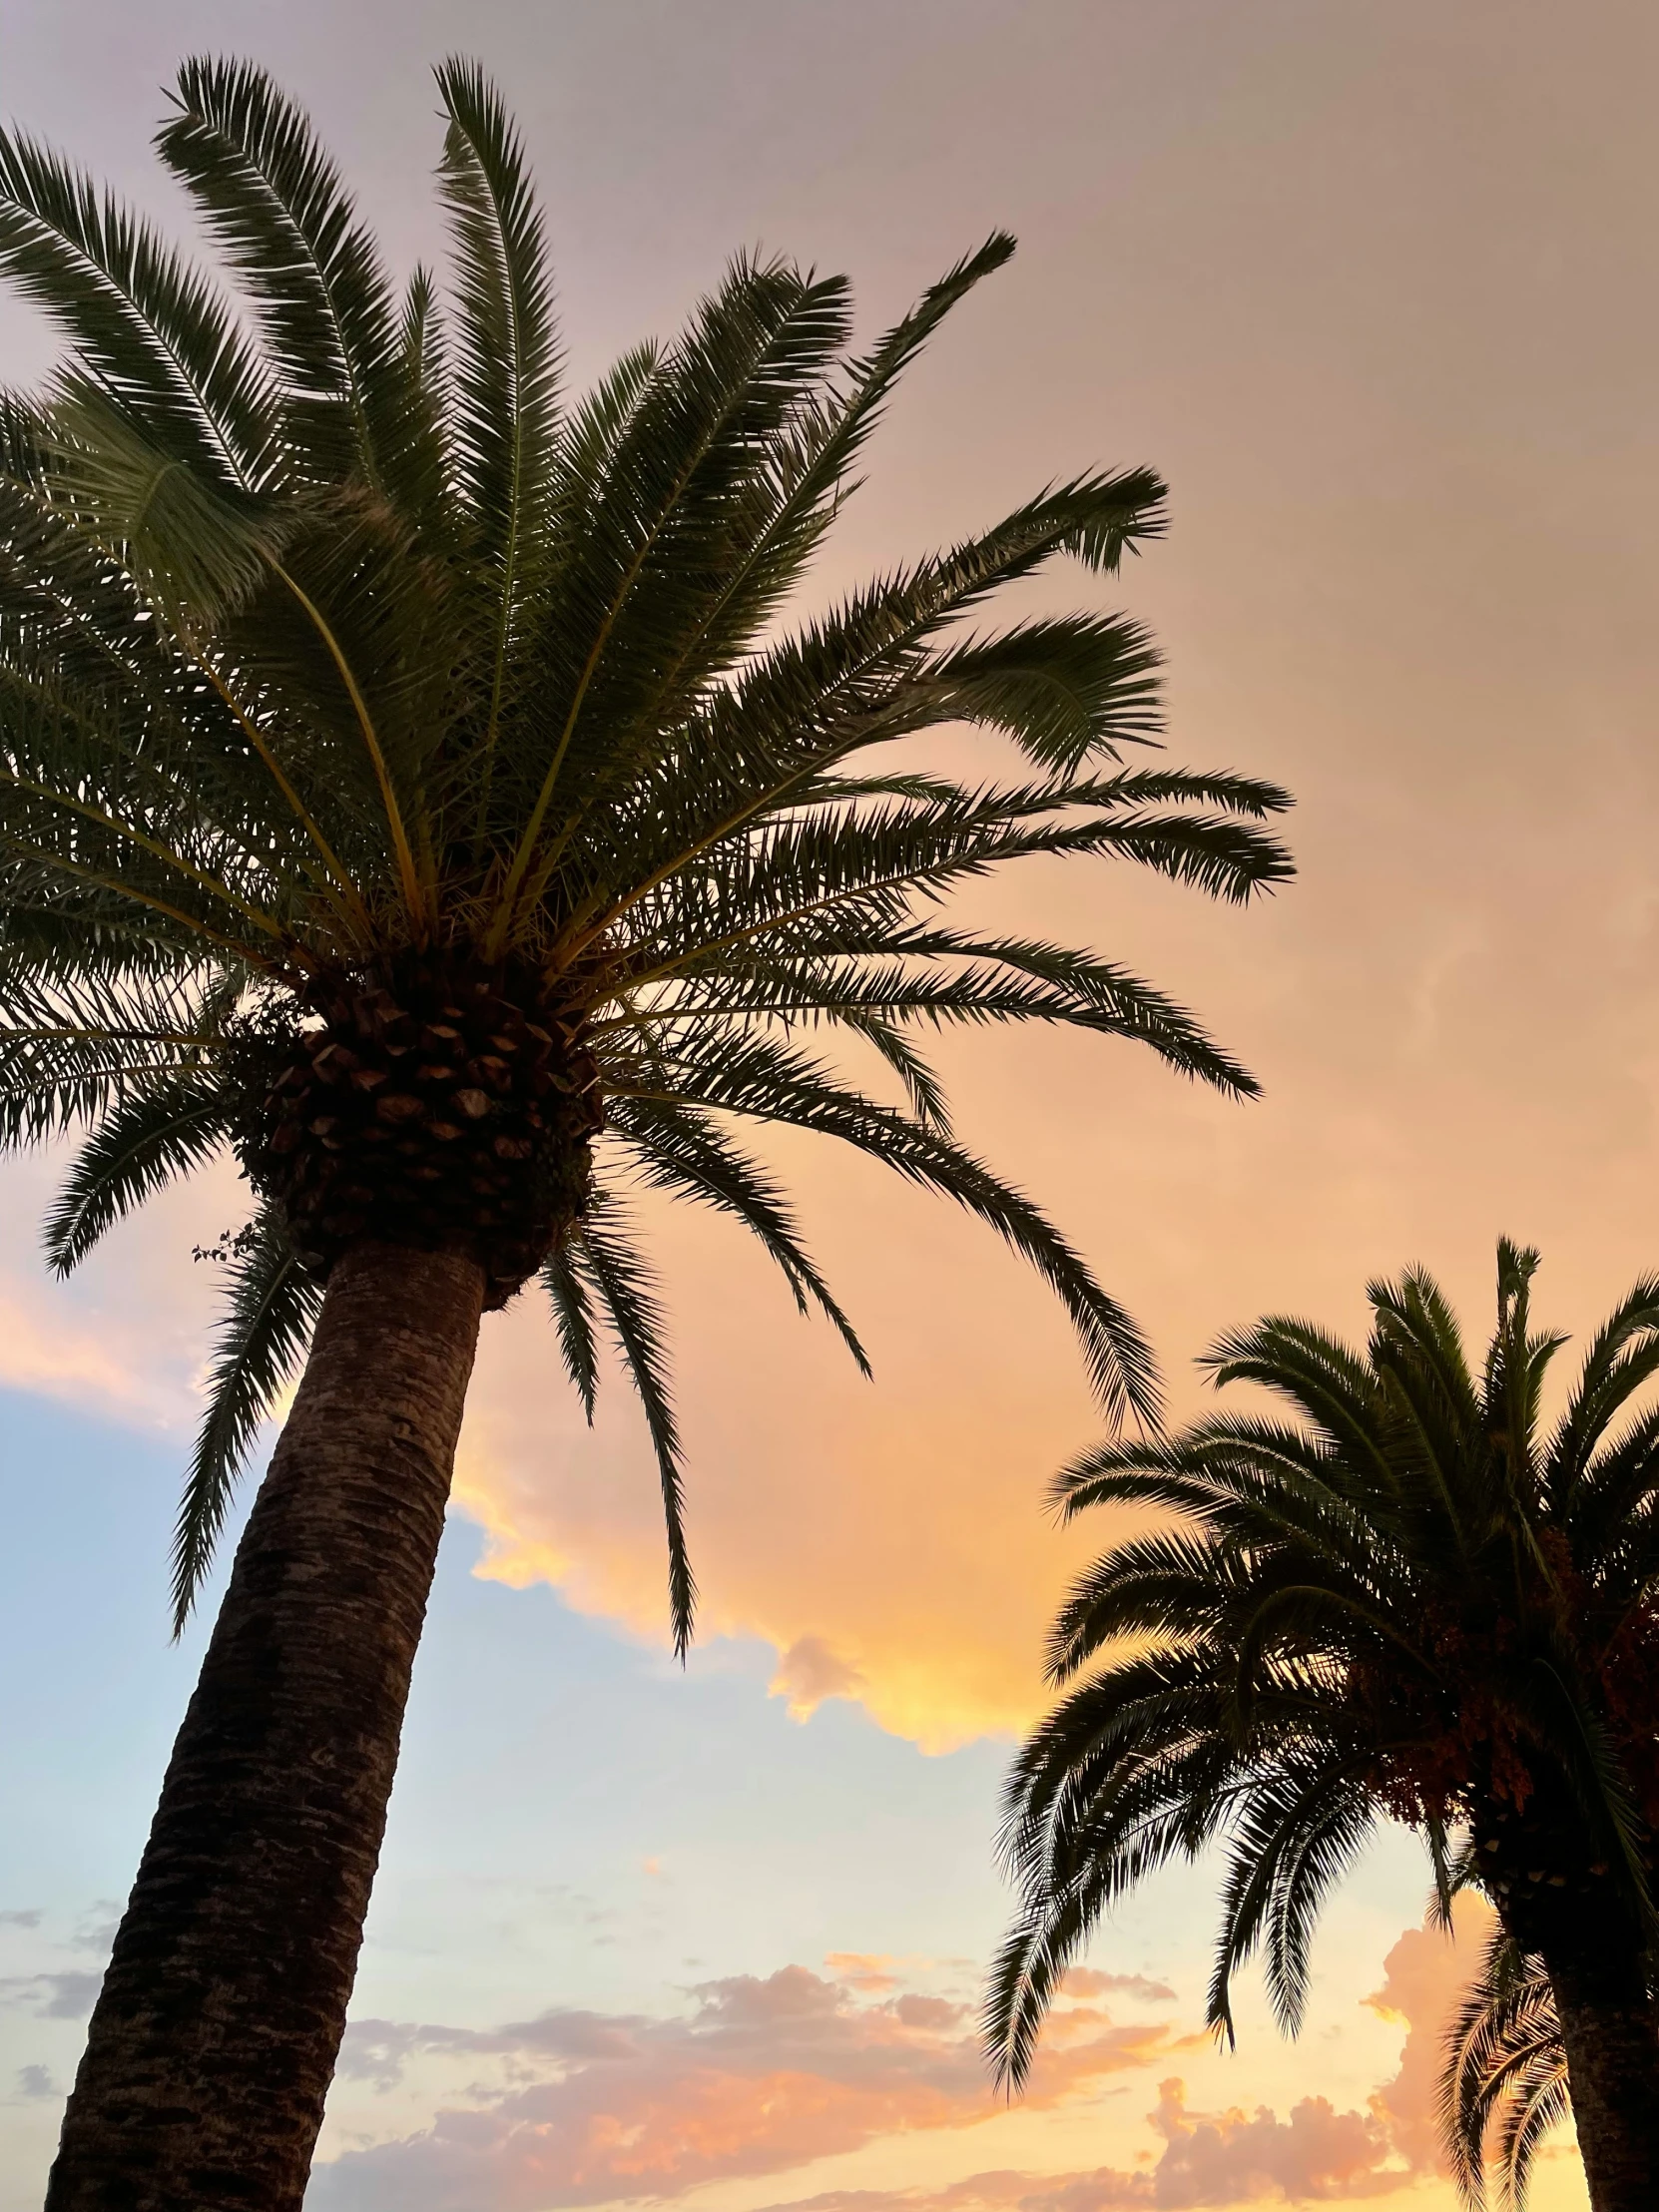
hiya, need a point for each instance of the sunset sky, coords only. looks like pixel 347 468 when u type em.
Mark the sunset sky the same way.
pixel 1377 288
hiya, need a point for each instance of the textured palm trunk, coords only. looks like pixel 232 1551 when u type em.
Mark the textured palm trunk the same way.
pixel 215 2035
pixel 1612 2048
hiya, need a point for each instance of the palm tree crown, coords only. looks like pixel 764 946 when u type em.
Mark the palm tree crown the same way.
pixel 404 779
pixel 1415 1601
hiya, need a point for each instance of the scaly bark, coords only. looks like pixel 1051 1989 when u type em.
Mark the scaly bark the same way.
pixel 215 2036
pixel 1612 2050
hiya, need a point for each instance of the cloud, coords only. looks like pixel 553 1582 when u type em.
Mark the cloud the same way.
pixel 52 1997
pixel 1425 1976
pixel 29 1918
pixel 760 2076
pixel 46 1351
pixel 1317 2155
pixel 126 1339
pixel 871 1973
pixel 1086 1981
pixel 35 2082
pixel 810 1672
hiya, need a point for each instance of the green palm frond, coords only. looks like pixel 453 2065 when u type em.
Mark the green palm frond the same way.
pixel 680 1150
pixel 270 1310
pixel 148 1141
pixel 506 364
pixel 571 1298
pixel 274 202
pixel 146 329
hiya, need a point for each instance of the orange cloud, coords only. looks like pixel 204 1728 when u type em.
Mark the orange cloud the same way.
pixel 1089 1981
pixel 1318 2156
pixel 871 1973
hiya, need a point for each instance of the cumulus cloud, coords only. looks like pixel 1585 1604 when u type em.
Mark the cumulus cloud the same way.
pixel 761 2076
pixel 809 1673
pixel 1424 1977
pixel 31 1918
pixel 1316 2157
pixel 758 2076
pixel 46 1350
pixel 871 1972
pixel 127 1338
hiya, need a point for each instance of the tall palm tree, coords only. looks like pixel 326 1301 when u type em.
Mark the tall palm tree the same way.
pixel 1411 1602
pixel 406 783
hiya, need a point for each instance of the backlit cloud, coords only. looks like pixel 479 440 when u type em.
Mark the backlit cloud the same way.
pixel 1425 1976
pixel 1317 2155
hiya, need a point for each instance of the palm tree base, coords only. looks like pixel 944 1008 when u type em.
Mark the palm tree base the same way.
pixel 1612 2053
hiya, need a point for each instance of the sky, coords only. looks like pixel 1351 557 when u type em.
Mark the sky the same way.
pixel 1375 289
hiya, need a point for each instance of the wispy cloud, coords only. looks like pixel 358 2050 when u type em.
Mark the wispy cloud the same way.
pixel 52 1997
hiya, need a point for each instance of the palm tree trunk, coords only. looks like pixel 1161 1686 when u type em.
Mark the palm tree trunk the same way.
pixel 216 2033
pixel 1608 2031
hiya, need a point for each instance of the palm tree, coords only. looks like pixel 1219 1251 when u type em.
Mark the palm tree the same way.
pixel 406 783
pixel 1411 1602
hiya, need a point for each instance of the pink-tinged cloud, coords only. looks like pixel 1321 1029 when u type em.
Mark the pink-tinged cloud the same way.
pixel 759 2077
pixel 1317 2155
pixel 762 2076
pixel 1423 1978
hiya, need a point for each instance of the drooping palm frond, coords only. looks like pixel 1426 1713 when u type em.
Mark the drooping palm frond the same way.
pixel 270 1310
pixel 624 1287
pixel 1505 2082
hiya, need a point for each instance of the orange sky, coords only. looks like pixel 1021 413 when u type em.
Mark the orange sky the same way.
pixel 1375 289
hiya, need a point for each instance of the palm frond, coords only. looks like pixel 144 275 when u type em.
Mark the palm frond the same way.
pixel 627 1290
pixel 250 159
pixel 142 1144
pixel 271 1310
